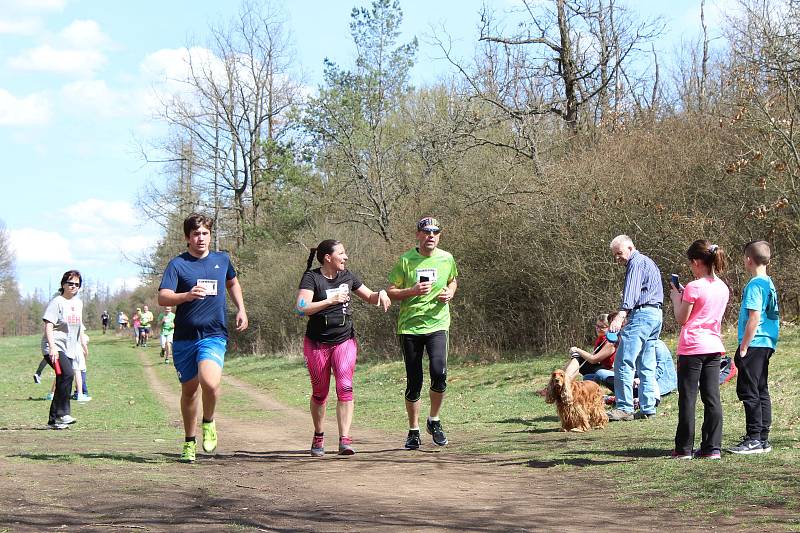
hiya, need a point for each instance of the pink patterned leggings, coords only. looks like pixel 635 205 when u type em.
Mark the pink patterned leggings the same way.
pixel 321 358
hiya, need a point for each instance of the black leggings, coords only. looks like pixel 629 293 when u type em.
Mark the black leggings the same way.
pixel 698 372
pixel 414 347
pixel 60 404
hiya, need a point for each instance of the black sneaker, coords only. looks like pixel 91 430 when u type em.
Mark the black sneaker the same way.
pixel 747 446
pixel 766 447
pixel 413 441
pixel 435 430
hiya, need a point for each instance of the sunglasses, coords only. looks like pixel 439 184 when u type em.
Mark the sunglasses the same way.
pixel 431 231
pixel 72 284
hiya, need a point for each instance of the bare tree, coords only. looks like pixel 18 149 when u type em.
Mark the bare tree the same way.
pixel 236 104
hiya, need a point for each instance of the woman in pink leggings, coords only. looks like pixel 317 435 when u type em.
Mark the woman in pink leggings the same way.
pixel 330 344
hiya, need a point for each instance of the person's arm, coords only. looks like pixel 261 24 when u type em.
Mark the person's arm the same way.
pixel 449 291
pixel 601 355
pixel 380 298
pixel 680 307
pixel 235 292
pixel 418 289
pixel 48 333
pixel 305 306
pixel 169 297
pixel 753 319
pixel 616 324
pixel 634 277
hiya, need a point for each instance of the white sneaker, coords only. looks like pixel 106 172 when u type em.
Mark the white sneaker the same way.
pixel 84 398
pixel 56 425
pixel 66 419
pixel 37 378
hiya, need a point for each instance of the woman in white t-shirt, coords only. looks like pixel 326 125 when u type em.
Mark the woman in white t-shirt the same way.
pixel 61 344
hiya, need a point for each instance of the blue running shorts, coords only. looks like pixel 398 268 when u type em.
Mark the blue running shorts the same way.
pixel 186 355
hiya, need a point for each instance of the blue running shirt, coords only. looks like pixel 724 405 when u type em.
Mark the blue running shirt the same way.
pixel 199 319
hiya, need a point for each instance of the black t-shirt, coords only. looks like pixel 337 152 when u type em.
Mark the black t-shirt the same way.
pixel 333 324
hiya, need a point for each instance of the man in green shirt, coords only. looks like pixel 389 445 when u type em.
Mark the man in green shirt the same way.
pixel 166 322
pixel 146 319
pixel 424 280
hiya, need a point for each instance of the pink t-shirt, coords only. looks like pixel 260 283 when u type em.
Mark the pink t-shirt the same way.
pixel 701 332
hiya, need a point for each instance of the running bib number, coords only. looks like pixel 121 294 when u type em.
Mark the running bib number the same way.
pixel 341 289
pixel 210 285
pixel 429 273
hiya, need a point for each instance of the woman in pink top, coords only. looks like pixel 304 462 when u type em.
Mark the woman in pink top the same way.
pixel 699 308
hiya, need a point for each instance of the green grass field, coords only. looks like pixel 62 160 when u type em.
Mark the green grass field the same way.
pixel 490 408
pixel 493 408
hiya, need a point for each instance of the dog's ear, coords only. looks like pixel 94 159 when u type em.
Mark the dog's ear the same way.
pixel 551 395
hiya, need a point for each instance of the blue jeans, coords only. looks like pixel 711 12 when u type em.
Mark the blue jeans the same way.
pixel 637 355
pixel 602 376
pixel 666 376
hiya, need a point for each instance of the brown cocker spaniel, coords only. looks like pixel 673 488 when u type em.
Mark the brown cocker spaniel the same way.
pixel 579 403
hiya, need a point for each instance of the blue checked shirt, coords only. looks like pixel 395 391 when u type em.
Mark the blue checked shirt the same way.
pixel 643 284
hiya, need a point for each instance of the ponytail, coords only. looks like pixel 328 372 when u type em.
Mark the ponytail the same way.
pixel 324 248
pixel 711 255
pixel 310 258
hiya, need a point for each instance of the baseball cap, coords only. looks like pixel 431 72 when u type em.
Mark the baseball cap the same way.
pixel 428 223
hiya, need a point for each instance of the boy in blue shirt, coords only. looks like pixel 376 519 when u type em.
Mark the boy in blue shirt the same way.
pixel 758 337
pixel 195 283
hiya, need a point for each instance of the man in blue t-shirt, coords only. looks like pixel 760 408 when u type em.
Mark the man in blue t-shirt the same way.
pixel 192 283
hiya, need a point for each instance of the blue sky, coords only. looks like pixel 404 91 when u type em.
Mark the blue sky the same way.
pixel 78 82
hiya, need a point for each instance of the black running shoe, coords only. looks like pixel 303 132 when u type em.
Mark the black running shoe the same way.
pixel 747 446
pixel 435 430
pixel 413 441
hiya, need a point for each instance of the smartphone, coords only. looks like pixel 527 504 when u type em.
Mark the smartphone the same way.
pixel 673 278
pixel 424 279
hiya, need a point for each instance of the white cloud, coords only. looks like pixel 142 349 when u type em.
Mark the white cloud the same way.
pixel 84 34
pixel 95 236
pixel 96 98
pixel 29 110
pixel 48 59
pixel 78 50
pixel 101 212
pixel 40 248
pixel 23 26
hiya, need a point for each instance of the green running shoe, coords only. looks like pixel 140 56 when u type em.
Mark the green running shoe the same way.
pixel 189 452
pixel 209 436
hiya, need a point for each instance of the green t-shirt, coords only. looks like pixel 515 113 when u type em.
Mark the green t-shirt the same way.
pixel 167 323
pixel 146 318
pixel 423 314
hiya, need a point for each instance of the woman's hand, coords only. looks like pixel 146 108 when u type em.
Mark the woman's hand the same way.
pixel 338 298
pixel 384 300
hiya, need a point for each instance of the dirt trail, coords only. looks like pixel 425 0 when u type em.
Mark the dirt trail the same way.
pixel 263 479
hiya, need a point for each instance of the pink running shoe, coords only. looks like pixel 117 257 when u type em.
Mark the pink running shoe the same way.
pixel 346 446
pixel 318 446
